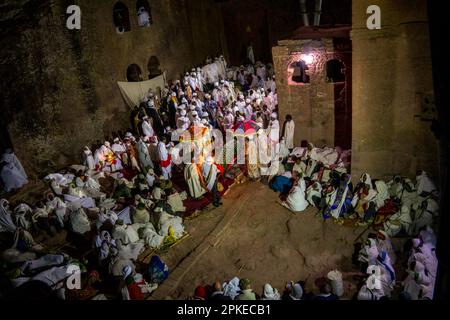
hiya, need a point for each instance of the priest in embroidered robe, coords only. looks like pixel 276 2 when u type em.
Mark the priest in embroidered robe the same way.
pixel 193 180
pixel 210 175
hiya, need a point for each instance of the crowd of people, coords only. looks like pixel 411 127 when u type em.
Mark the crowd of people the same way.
pixel 124 197
pixel 241 289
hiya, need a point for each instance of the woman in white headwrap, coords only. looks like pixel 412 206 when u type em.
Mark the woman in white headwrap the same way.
pixel 88 158
pixel 314 194
pixel 105 245
pixel 398 221
pixel 387 276
pixel 295 291
pixel 58 207
pixel 382 193
pixel 384 244
pixel 369 252
pixel 22 215
pixel 418 284
pixel 270 293
pixel 79 221
pixel 231 289
pixel 12 172
pixel 125 233
pixel 424 183
pixel 296 200
pixel 6 221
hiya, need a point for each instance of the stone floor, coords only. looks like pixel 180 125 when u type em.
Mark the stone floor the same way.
pixel 253 236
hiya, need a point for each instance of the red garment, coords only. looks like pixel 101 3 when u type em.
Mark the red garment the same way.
pixel 135 292
pixel 220 168
pixel 200 292
pixel 385 212
pixel 167 162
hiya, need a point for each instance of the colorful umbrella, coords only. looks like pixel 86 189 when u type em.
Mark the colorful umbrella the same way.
pixel 246 128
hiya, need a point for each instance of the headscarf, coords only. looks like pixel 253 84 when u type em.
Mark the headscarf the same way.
pixel 231 289
pixel 385 261
pixel 296 291
pixel 365 178
pixel 200 292
pixel 424 183
pixel 6 221
pixel 127 271
pixel 270 293
pixel 244 283
pixel 382 193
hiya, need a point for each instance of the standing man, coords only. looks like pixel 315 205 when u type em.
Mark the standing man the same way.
pixel 165 160
pixel 210 175
pixel 288 132
pixel 193 180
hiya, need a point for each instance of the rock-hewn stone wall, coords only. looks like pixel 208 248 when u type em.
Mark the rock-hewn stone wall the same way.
pixel 58 87
pixel 391 73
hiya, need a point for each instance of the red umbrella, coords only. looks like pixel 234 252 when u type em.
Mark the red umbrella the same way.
pixel 246 127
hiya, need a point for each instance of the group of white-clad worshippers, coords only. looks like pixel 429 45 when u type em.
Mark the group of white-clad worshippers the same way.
pixel 123 197
pixel 398 209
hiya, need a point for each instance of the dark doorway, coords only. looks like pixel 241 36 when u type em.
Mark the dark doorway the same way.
pixel 134 73
pixel 335 71
pixel 121 17
pixel 153 67
pixel 340 74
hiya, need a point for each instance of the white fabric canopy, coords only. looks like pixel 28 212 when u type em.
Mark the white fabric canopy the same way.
pixel 134 92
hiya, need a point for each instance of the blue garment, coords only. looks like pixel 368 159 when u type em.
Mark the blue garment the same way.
pixel 157 270
pixel 382 260
pixel 281 184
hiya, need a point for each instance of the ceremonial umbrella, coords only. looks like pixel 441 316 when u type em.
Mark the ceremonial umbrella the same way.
pixel 246 128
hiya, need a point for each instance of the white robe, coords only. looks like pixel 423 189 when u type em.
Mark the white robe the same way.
pixel 125 233
pixel 424 184
pixel 144 156
pixel 289 134
pixel 296 200
pixel 89 159
pixel 164 156
pixel 12 174
pixel 209 174
pixel 147 129
pixel 192 178
pixel 80 221
pixel 6 222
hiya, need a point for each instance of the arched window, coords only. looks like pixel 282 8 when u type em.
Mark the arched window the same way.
pixel 144 13
pixel 335 71
pixel 121 18
pixel 153 67
pixel 298 69
pixel 134 73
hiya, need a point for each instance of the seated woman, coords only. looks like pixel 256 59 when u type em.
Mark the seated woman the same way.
pixel 339 201
pixel 282 183
pixel 296 200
